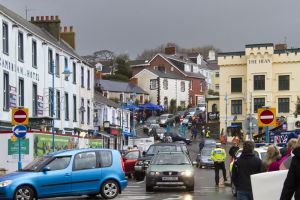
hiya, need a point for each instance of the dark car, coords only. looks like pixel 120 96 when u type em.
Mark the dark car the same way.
pixel 203 159
pixel 148 123
pixel 143 162
pixel 174 136
pixel 169 169
pixel 158 133
pixel 166 119
pixel 130 158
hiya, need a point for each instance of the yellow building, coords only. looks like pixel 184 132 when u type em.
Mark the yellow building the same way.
pixel 271 75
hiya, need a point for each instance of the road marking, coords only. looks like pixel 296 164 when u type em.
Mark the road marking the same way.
pixel 133 186
pixel 140 182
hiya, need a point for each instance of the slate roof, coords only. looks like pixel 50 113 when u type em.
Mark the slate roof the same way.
pixel 39 32
pixel 134 63
pixel 166 75
pixel 213 65
pixel 118 86
pixel 99 98
pixel 259 45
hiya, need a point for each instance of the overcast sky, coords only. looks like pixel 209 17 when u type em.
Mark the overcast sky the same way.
pixel 130 26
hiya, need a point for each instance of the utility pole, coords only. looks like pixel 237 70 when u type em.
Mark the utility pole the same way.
pixel 226 100
pixel 250 122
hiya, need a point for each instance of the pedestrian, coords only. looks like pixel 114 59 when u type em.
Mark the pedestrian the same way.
pixel 246 165
pixel 292 182
pixel 203 130
pixel 271 162
pixel 207 134
pixel 194 132
pixel 218 156
pixel 233 149
pixel 290 146
pixel 202 143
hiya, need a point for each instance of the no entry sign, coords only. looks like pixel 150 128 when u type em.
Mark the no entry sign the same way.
pixel 19 116
pixel 267 117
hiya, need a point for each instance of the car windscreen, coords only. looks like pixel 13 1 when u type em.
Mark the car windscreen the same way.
pixel 163 148
pixel 192 109
pixel 37 163
pixel 151 120
pixel 171 159
pixel 164 117
pixel 206 152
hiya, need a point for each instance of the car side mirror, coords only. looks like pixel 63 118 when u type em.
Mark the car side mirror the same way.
pixel 46 169
pixel 144 153
pixel 194 163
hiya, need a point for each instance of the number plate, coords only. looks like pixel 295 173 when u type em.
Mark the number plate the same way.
pixel 170 178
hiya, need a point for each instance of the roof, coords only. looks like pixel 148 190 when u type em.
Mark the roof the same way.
pixel 39 31
pixel 236 53
pixel 99 98
pixel 118 86
pixel 138 62
pixel 213 65
pixel 194 75
pixel 259 45
pixel 294 50
pixel 165 75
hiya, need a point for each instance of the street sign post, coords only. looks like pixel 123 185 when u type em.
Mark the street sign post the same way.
pixel 266 118
pixel 19 116
pixel 20 132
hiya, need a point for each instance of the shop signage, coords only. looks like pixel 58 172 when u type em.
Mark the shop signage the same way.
pixel 12 97
pixel 13 147
pixel 213 116
pixel 114 131
pixel 40 105
pixel 259 61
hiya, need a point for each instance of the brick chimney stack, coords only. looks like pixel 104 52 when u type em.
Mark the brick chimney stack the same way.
pixel 51 24
pixel 68 35
pixel 170 50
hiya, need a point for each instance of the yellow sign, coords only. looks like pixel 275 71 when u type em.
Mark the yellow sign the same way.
pixel 19 116
pixel 266 117
pixel 13 138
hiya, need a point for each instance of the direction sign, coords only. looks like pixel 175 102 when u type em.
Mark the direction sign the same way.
pixel 266 117
pixel 19 131
pixel 19 116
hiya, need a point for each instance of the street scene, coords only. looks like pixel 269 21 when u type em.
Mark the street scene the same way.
pixel 154 99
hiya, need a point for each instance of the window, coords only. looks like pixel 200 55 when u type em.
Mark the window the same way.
pixel 283 105
pixel 88 80
pixel 20 47
pixel 50 103
pixel 74 109
pixel 105 159
pixel 34 100
pixel 66 67
pixel 50 60
pixel 284 82
pixel 74 72
pixel 5 37
pixel 259 82
pixel 6 91
pixel 89 112
pixel 34 54
pixel 82 77
pixel 217 86
pixel 182 86
pixel 161 68
pixel 236 84
pixel 82 111
pixel 191 85
pixel 153 84
pixel 21 92
pixel 201 86
pixel 121 98
pixel 258 103
pixel 182 104
pixel 165 84
pixel 166 102
pixel 86 160
pixel 59 163
pixel 57 72
pixel 236 107
pixel 132 155
pixel 57 104
pixel 66 106
pixel 217 74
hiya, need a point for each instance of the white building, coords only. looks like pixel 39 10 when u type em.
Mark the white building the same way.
pixel 26 55
pixel 163 87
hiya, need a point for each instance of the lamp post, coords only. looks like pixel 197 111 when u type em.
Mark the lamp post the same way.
pixel 67 73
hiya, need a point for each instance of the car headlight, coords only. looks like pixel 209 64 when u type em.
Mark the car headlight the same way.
pixel 140 162
pixel 187 173
pixel 5 183
pixel 146 162
pixel 154 173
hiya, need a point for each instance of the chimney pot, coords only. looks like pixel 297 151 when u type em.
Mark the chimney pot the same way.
pixel 56 17
pixel 71 28
pixel 37 18
pixel 32 19
pixel 42 18
pixel 52 18
pixel 47 18
pixel 65 29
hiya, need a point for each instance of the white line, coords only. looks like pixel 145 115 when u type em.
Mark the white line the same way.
pixel 267 117
pixel 140 182
pixel 19 116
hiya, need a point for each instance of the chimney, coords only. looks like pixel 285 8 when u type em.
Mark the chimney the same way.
pixel 280 46
pixel 68 35
pixel 52 24
pixel 170 50
pixel 211 55
pixel 134 81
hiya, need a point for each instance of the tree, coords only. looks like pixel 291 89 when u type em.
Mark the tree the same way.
pixel 115 77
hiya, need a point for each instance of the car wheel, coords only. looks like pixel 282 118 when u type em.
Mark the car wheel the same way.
pixel 233 190
pixel 110 189
pixel 190 188
pixel 24 192
pixel 149 188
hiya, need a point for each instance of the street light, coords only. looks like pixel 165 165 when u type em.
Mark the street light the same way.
pixel 67 73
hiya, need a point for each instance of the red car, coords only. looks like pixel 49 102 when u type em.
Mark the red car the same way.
pixel 130 158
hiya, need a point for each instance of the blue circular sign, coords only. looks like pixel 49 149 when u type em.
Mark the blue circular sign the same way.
pixel 20 131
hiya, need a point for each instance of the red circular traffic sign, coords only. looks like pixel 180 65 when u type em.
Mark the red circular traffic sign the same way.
pixel 266 116
pixel 20 116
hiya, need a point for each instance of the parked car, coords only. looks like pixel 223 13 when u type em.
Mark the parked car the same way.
pixel 193 111
pixel 166 119
pixel 158 133
pixel 143 162
pixel 203 159
pixel 67 173
pixel 130 158
pixel 201 107
pixel 174 136
pixel 148 123
pixel 170 169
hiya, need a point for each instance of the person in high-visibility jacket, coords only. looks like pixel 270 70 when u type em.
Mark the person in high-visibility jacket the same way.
pixel 218 155
pixel 207 134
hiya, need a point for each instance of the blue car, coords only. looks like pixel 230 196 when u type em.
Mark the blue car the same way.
pixel 67 173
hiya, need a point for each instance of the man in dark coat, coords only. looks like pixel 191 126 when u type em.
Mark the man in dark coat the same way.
pixel 292 182
pixel 233 149
pixel 246 165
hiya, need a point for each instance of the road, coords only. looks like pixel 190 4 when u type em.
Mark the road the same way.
pixel 204 188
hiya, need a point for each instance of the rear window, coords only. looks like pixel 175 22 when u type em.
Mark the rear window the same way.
pixel 105 158
pixel 164 148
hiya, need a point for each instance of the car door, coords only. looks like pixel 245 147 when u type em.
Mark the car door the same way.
pixel 130 159
pixel 86 173
pixel 56 180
